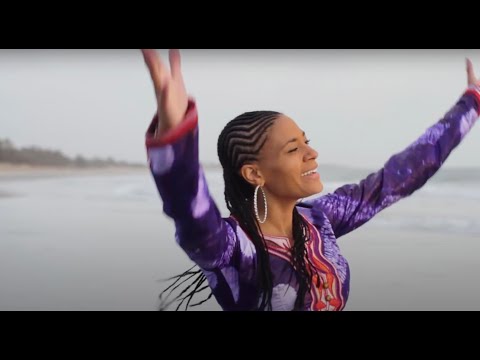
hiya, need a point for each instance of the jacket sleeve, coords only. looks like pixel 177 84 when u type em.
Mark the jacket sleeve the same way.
pixel 173 159
pixel 352 205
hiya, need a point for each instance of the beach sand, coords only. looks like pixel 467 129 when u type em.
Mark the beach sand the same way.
pixel 4 194
pixel 10 171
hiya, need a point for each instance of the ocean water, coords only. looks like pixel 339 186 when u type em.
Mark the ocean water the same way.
pixel 102 242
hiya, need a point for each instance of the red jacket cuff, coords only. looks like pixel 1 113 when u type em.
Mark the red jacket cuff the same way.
pixel 188 123
pixel 475 91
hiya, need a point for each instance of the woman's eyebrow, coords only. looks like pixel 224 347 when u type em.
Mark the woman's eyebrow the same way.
pixel 292 140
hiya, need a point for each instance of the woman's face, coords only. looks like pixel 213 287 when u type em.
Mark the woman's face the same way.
pixel 288 164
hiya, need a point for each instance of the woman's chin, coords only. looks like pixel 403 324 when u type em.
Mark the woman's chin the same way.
pixel 317 189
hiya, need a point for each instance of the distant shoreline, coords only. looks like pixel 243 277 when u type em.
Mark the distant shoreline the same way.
pixel 333 173
pixel 8 170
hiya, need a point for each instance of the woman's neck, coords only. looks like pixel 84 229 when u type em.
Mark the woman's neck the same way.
pixel 279 218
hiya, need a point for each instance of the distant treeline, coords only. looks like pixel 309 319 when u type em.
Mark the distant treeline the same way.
pixel 36 156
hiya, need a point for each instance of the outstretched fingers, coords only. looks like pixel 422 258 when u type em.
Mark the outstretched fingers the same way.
pixel 157 69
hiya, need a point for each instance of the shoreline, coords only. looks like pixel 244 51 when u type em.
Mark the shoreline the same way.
pixel 10 171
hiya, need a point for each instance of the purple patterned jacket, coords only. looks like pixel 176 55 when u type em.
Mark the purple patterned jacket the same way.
pixel 224 251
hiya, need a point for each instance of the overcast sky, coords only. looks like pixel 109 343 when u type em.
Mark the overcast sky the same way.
pixel 358 107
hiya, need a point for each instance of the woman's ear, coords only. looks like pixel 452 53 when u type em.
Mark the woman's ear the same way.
pixel 252 174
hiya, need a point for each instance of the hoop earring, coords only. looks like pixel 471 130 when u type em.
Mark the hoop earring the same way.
pixel 255 207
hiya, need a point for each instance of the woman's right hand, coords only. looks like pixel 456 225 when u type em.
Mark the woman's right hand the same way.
pixel 471 78
pixel 172 97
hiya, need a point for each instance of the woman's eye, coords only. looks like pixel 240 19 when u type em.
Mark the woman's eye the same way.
pixel 293 150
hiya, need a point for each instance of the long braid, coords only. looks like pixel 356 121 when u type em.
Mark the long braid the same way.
pixel 239 143
pixel 301 236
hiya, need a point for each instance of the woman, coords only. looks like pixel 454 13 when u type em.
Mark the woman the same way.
pixel 274 252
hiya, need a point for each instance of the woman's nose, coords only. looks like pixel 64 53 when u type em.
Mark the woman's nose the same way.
pixel 311 154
